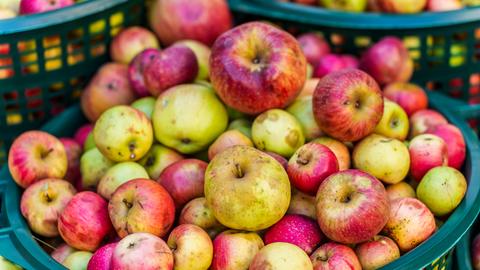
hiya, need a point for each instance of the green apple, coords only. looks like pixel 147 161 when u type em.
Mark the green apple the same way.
pixel 301 108
pixel 7 265
pixel 77 260
pixel 442 189
pixel 246 188
pixel 119 174
pixel 394 122
pixel 145 105
pixel 89 142
pixel 93 166
pixel 242 125
pixel 385 158
pixel 188 118
pixel 277 131
pixel 202 53
pixel 234 114
pixel 345 5
pixel 123 133
pixel 158 158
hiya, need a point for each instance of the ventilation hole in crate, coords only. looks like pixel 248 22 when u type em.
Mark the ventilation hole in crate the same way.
pixel 6 69
pixel 474 90
pixel 56 87
pixel 362 41
pixel 33 92
pixel 474 100
pixel 337 39
pixel 456 83
pixel 53 59
pixel 34 104
pixel 116 19
pixel 13 119
pixel 98 50
pixel 75 53
pixel 4 49
pixel 458 55
pixel 36 115
pixel 51 41
pixel 433 86
pixel 97 27
pixel 9 96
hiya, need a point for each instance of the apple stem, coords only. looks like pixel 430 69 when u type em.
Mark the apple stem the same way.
pixel 131 147
pixel 238 171
pixel 45 154
pixel 303 158
pixel 128 204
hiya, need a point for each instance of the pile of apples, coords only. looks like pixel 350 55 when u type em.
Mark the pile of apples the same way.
pixel 233 159
pixel 390 6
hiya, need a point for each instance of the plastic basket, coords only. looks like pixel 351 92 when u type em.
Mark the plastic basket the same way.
pixel 46 59
pixel 444 45
pixel 17 244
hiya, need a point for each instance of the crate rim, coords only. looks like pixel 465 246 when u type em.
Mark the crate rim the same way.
pixel 358 21
pixel 26 23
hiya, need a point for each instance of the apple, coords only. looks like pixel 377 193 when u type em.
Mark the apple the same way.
pixel 402 6
pixel 141 205
pixel 78 260
pixel 108 87
pixel 261 188
pixel 339 149
pixel 409 96
pixel 130 42
pixel 350 61
pixel 305 2
pixel 42 203
pixel 347 104
pixel 302 204
pixel 308 88
pixel 349 5
pixel 202 52
pixel 310 165
pixel 377 252
pixel 36 155
pixel 235 250
pixel 123 133
pixel 200 20
pixel 232 113
pixel 444 5
pixel 82 133
pixel 142 251
pixel 188 118
pixel 73 151
pixel 89 142
pixel 283 161
pixel 352 206
pixel 423 120
pixel 157 159
pixel 197 212
pixel 400 190
pixel 246 63
pixel 394 123
pixel 173 66
pixel 102 258
pixel 426 152
pixel 38 6
pixel 228 139
pixel 145 105
pixel 136 70
pixel 314 47
pixel 277 131
pixel 281 256
pixel 299 230
pixel 191 246
pixel 476 252
pixel 302 109
pixel 93 166
pixel 373 6
pixel 388 60
pixel 335 256
pixel 13 5
pixel 117 175
pixel 328 64
pixel 7 265
pixel 242 125
pixel 84 222
pixel 455 143
pixel 61 252
pixel 184 180
pixel 410 223
pixel 369 156
pixel 442 189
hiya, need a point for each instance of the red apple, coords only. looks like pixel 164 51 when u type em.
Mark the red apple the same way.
pixel 328 64
pixel 235 250
pixel 402 6
pixel 426 152
pixel 352 206
pixel 136 70
pixel 247 62
pixel 347 104
pixel 184 180
pixel 201 20
pixel 314 47
pixel 444 5
pixel 62 252
pixel 73 151
pixel 310 165
pixel 228 139
pixel 38 6
pixel 400 190
pixel 158 158
pixel 191 246
pixel 423 120
pixel 130 42
pixel 142 251
pixel 141 205
pixel 283 161
pixel 388 61
pixel 302 204
pixel 102 258
pixel 332 256
pixel 339 149
pixel 377 252
pixel 84 222
pixel 296 229
pixel 172 66
pixel 36 155
pixel 410 97
pixel 410 223
pixel 476 252
pixel 350 61
pixel 197 212
pixel 82 133
pixel 455 143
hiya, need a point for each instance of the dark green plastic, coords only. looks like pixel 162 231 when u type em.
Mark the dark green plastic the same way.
pixel 17 244
pixel 47 58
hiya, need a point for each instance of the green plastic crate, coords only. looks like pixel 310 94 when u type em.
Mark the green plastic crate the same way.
pixel 17 244
pixel 444 45
pixel 47 58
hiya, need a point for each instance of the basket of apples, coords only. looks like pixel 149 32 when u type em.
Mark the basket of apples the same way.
pixel 443 45
pixel 48 51
pixel 231 159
